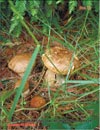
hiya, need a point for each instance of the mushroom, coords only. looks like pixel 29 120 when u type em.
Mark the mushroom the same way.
pixel 26 87
pixel 37 102
pixel 58 60
pixel 53 79
pixel 19 63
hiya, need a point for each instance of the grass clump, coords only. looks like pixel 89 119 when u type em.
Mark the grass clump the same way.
pixel 75 102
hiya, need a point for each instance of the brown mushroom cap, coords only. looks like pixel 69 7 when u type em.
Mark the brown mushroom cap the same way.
pixel 26 87
pixel 60 58
pixel 19 63
pixel 37 102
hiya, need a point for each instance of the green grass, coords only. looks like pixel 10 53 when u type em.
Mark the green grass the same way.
pixel 24 79
pixel 81 36
pixel 86 48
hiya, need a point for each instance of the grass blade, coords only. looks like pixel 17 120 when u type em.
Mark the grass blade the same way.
pixel 96 81
pixel 24 79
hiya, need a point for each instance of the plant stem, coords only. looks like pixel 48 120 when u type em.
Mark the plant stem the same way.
pixel 86 94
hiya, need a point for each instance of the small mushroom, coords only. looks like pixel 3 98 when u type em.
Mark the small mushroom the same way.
pixel 19 63
pixel 58 60
pixel 37 102
pixel 26 88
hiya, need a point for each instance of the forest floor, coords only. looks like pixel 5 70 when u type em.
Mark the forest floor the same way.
pixel 75 105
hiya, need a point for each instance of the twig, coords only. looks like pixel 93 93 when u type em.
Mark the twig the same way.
pixel 36 85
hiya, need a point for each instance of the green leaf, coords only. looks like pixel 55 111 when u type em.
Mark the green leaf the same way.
pixel 13 24
pixel 1 1
pixel 5 95
pixel 20 6
pixel 93 120
pixel 24 79
pixel 94 81
pixel 34 7
pixel 4 110
pixel 55 124
pixel 15 21
pixel 94 106
pixel 72 5
pixel 90 124
pixel 49 13
pixel 34 12
pixel 49 2
pixel 59 1
pixel 96 5
pixel 15 27
pixel 87 2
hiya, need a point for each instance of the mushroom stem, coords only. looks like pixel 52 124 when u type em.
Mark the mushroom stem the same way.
pixel 53 79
